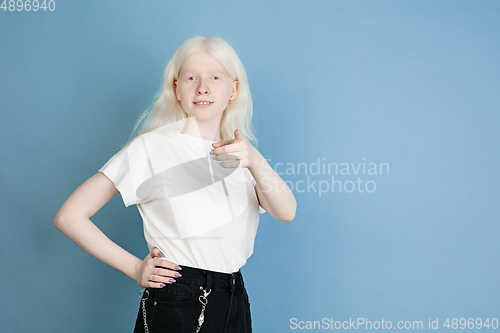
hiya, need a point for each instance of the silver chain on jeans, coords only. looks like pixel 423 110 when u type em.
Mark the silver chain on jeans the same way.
pixel 203 300
pixel 144 309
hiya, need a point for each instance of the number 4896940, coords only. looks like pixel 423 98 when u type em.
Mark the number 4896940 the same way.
pixel 28 5
pixel 472 323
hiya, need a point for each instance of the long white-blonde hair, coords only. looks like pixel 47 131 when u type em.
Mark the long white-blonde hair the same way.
pixel 166 110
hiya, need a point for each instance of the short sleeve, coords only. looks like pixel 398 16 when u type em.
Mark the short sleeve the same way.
pixel 117 169
pixel 261 210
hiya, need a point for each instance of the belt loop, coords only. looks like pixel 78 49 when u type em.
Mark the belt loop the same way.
pixel 209 280
pixel 234 280
pixel 241 279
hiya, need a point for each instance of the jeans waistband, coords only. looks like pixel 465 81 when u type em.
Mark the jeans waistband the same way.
pixel 210 279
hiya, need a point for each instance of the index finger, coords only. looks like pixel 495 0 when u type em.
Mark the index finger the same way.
pixel 216 150
pixel 222 143
pixel 158 262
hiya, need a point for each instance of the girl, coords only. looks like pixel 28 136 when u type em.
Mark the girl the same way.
pixel 198 184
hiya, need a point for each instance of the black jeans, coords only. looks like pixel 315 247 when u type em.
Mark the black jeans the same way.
pixel 176 307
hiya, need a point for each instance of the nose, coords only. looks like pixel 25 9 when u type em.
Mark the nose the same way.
pixel 202 88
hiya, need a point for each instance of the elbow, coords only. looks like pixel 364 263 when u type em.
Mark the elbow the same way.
pixel 65 221
pixel 288 218
pixel 291 215
pixel 59 221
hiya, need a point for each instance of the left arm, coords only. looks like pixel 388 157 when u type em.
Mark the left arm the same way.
pixel 273 193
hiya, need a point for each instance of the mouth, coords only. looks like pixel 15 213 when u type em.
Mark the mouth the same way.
pixel 203 103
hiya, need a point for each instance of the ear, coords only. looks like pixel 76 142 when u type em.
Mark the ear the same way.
pixel 176 90
pixel 234 90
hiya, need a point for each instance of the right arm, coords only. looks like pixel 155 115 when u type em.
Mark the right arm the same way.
pixel 73 220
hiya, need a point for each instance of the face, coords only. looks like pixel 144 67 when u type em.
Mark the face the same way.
pixel 204 88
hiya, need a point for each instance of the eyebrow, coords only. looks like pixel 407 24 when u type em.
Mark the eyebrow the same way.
pixel 214 72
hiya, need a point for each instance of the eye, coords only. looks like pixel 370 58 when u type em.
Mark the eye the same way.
pixel 216 77
pixel 191 78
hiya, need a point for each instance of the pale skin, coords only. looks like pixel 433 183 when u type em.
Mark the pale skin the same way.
pixel 201 78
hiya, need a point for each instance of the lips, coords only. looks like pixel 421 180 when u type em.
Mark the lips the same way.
pixel 203 103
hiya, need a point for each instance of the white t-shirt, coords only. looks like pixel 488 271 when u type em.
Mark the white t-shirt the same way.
pixel 196 212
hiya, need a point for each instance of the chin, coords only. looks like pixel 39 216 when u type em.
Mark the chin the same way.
pixel 203 116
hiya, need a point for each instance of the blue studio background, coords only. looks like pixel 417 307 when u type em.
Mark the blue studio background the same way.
pixel 401 95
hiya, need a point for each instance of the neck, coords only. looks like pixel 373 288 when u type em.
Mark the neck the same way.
pixel 209 130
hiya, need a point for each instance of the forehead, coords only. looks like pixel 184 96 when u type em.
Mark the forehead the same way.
pixel 202 62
